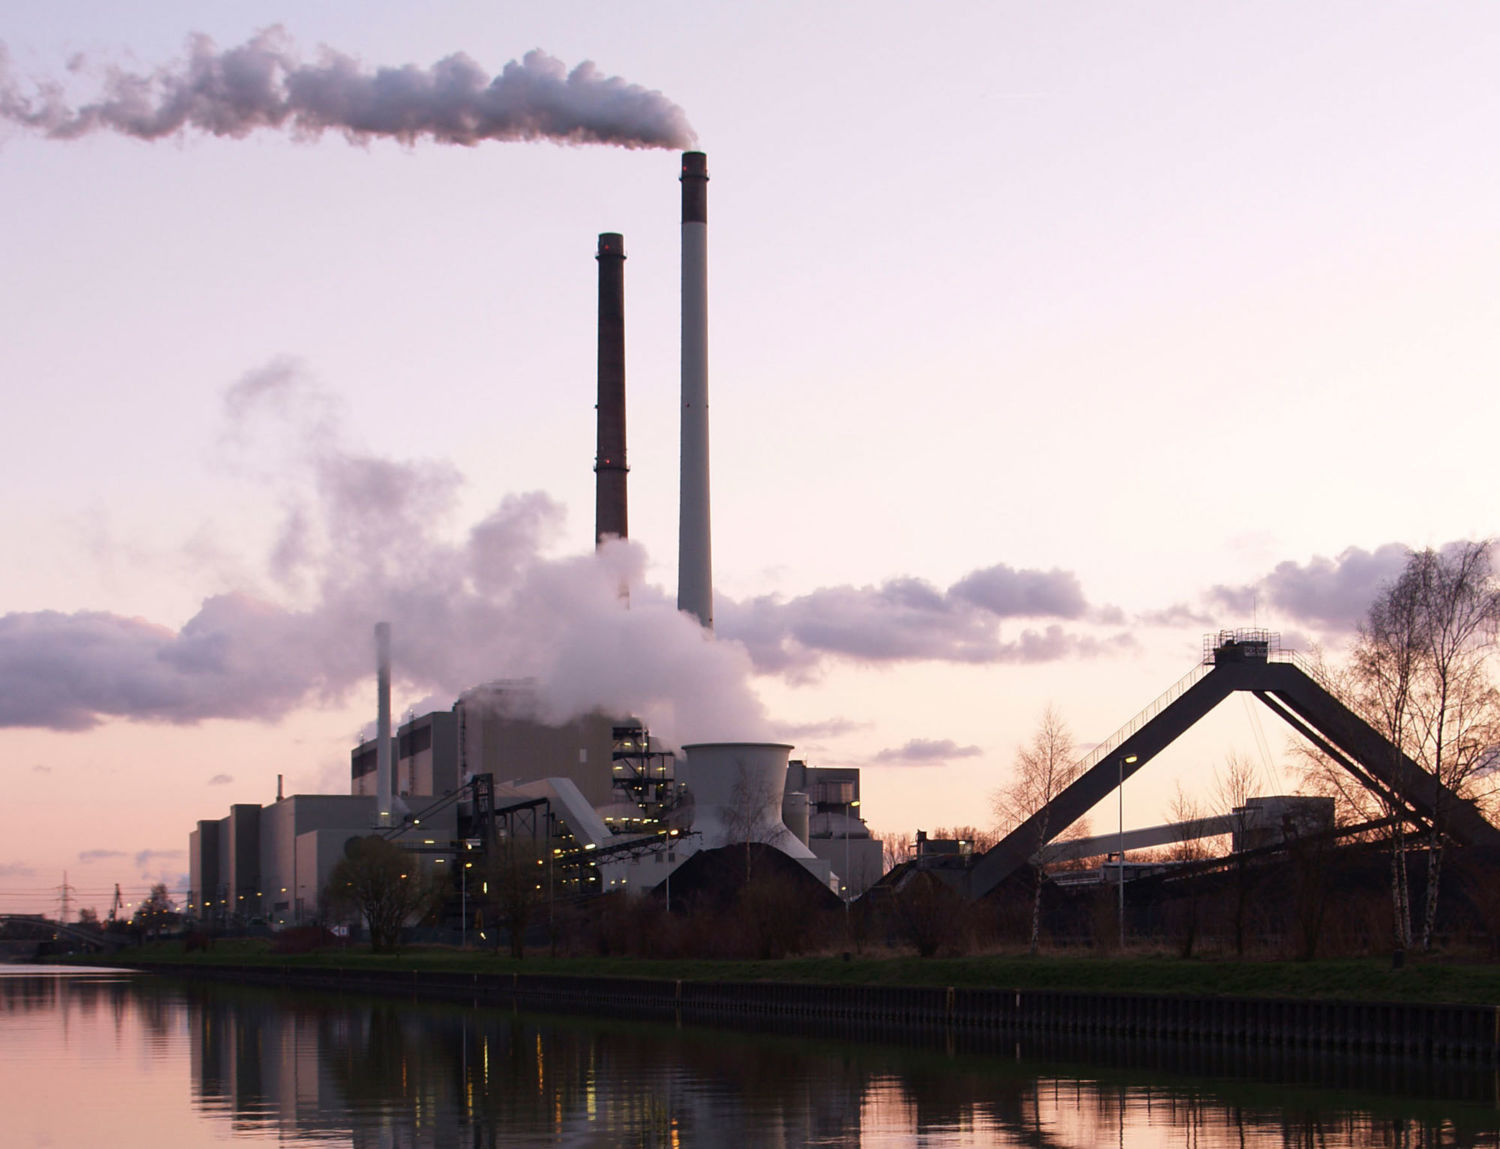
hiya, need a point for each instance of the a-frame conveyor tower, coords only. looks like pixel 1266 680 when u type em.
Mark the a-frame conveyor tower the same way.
pixel 1248 660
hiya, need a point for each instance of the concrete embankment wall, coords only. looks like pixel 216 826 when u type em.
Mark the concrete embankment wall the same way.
pixel 1410 1030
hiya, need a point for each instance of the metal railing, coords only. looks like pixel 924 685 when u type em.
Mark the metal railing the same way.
pixel 1169 696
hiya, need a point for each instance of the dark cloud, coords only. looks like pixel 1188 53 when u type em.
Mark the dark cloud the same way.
pixel 909 619
pixel 926 752
pixel 1010 593
pixel 221 780
pixel 16 870
pixel 1329 595
pixel 828 728
pixel 100 855
pixel 1178 614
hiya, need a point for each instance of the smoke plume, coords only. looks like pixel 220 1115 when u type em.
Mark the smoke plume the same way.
pixel 364 538
pixel 370 542
pixel 263 84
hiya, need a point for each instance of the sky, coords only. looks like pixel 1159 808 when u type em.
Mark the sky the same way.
pixel 1044 340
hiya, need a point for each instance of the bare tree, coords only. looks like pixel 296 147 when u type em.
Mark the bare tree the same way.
pixel 1043 769
pixel 895 849
pixel 1234 786
pixel 516 883
pixel 1185 810
pixel 1422 676
pixel 384 884
pixel 752 815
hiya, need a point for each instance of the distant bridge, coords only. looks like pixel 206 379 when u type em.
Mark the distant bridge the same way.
pixel 22 936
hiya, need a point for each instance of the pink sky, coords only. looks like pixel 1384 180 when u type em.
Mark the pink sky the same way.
pixel 1043 341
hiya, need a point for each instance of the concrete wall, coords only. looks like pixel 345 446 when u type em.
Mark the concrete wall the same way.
pixel 501 738
pixel 280 826
pixel 204 878
pixel 427 755
pixel 859 862
pixel 242 874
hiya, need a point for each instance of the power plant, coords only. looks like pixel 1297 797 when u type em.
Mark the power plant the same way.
pixel 602 806
pixel 614 809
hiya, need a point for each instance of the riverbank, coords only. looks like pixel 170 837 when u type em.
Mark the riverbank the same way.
pixel 1431 981
pixel 1421 1030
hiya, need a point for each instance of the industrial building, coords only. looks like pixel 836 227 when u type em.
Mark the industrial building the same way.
pixel 614 809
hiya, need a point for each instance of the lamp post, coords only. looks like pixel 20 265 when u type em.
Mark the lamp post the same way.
pixel 1120 789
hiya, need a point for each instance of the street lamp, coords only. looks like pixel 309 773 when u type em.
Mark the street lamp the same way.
pixel 1125 761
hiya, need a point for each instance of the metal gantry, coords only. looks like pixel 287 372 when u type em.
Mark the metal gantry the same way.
pixel 1249 661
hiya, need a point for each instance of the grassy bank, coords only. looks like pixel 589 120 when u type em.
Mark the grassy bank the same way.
pixel 1430 980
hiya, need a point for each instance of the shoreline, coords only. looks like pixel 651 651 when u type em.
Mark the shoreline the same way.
pixel 1423 1030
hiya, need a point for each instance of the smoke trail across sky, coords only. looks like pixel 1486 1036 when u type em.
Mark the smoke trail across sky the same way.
pixel 263 83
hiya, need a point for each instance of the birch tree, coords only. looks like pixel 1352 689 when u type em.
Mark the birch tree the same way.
pixel 1422 674
pixel 1044 767
pixel 1234 786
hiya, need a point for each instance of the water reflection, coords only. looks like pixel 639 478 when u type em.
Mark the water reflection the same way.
pixel 306 1069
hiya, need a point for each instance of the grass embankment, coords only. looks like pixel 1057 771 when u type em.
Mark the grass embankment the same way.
pixel 1429 980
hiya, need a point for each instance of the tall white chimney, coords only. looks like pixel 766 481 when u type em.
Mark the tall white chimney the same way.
pixel 695 584
pixel 383 723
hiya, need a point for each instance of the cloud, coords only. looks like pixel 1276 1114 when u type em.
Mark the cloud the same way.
pixel 100 855
pixel 908 619
pixel 926 752
pixel 1009 593
pixel 144 858
pixel 369 543
pixel 827 728
pixel 40 769
pixel 365 539
pixel 1328 595
pixel 221 780
pixel 16 870
pixel 1179 614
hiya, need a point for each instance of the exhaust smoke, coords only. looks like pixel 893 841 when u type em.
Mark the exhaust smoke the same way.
pixel 262 83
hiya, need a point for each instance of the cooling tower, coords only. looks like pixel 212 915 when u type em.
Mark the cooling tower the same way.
pixel 383 723
pixel 694 558
pixel 737 789
pixel 610 506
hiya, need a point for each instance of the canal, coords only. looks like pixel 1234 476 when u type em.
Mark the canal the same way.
pixel 98 1058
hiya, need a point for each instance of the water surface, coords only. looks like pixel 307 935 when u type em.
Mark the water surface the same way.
pixel 120 1060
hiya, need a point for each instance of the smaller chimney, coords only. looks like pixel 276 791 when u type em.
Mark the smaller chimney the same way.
pixel 278 787
pixel 610 505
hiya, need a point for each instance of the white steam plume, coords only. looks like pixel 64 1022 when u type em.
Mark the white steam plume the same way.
pixel 369 543
pixel 263 84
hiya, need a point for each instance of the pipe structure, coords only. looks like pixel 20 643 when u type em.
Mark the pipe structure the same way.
pixel 695 592
pixel 383 723
pixel 611 518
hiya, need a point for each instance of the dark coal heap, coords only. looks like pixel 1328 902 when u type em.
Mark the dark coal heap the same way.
pixel 715 880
